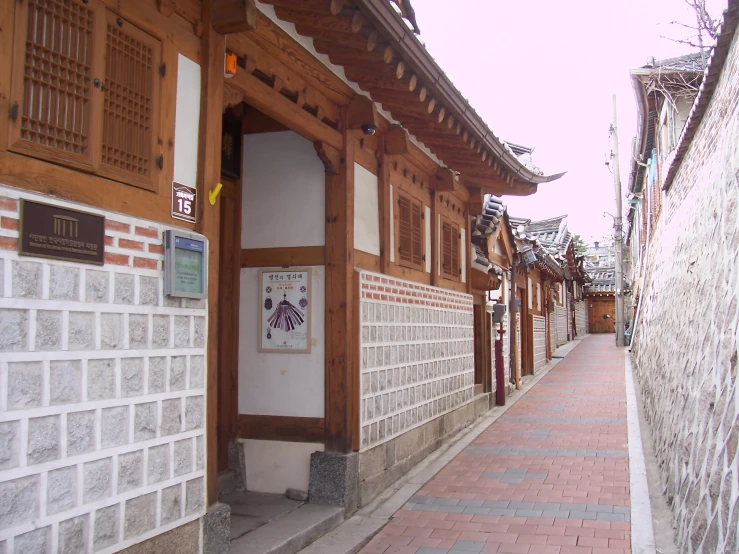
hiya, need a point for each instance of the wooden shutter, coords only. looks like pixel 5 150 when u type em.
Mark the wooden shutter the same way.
pixel 446 249
pixel 132 60
pixel 416 237
pixel 455 252
pixel 53 96
pixel 405 242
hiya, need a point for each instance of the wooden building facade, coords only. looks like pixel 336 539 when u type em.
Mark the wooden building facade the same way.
pixel 299 140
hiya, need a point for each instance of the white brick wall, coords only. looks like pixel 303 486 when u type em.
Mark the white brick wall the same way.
pixel 417 355
pixel 101 394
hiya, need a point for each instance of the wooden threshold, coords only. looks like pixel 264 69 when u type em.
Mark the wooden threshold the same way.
pixel 281 428
pixel 278 257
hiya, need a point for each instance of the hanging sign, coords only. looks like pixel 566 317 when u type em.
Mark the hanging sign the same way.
pixel 183 202
pixel 284 310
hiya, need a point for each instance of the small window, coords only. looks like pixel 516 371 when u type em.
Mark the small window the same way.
pixel 410 232
pixel 450 239
pixel 85 90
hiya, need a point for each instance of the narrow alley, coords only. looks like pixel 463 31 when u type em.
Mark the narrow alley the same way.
pixel 549 476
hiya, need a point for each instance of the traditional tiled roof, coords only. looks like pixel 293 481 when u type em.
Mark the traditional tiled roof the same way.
pixel 485 225
pixel 551 232
pixel 604 279
pixel 688 62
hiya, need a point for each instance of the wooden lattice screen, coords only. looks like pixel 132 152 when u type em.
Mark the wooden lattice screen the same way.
pixel 405 249
pixel 85 89
pixel 57 76
pixel 130 89
pixel 416 241
pixel 450 250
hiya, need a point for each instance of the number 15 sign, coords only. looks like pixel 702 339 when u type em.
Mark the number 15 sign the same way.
pixel 183 202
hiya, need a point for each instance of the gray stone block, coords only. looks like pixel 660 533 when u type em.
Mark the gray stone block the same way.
pixel 145 421
pixel 97 284
pixel 80 432
pixel 182 457
pixel 194 496
pixel 111 331
pixel 195 303
pixel 333 479
pixel 98 480
pixel 177 372
pixel 20 500
pixel 124 288
pixel 148 291
pixel 65 382
pixel 199 452
pixel 138 331
pixel 105 531
pixel 13 330
pixel 9 444
pixel 130 471
pixel 38 540
pixel 140 515
pixel 25 385
pixel 197 372
pixel 158 464
pixel 73 535
pixel 468 546
pixel 43 439
pixel 157 374
pixel 81 331
pixel 132 376
pixel 181 331
pixel 216 529
pixel 200 330
pixel 171 508
pixel 27 279
pixel 114 426
pixel 100 379
pixel 64 283
pixel 171 416
pixel 160 331
pixel 194 406
pixel 48 330
pixel 61 490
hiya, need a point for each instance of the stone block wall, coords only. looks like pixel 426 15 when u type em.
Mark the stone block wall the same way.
pixel 417 355
pixel 686 341
pixel 540 341
pixel 101 394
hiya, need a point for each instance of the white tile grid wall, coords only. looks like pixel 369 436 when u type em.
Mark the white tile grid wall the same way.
pixel 540 342
pixel 416 355
pixel 101 394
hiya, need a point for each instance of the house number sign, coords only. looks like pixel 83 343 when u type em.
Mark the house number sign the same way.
pixel 184 202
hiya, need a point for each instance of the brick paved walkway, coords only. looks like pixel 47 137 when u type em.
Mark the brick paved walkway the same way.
pixel 550 476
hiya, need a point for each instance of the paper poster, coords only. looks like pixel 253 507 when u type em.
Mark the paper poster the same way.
pixel 284 310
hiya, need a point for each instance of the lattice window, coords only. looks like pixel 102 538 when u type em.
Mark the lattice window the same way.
pixel 410 232
pixel 85 90
pixel 54 63
pixel 130 100
pixel 450 239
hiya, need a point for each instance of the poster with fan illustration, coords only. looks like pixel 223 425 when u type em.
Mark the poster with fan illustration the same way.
pixel 284 310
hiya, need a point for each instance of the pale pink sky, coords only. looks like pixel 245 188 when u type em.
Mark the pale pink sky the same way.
pixel 542 74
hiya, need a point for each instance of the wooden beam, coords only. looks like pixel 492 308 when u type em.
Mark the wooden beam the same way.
pixel 264 98
pixel 281 428
pixel 342 328
pixel 166 7
pixel 396 141
pixel 234 16
pixel 444 179
pixel 477 200
pixel 209 174
pixel 329 156
pixel 361 111
pixel 291 256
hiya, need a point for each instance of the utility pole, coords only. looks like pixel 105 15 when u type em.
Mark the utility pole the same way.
pixel 618 228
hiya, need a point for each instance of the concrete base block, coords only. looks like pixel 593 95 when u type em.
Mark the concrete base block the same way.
pixel 334 480
pixel 217 529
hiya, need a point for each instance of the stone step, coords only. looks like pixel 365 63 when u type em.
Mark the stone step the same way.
pixel 291 532
pixel 226 483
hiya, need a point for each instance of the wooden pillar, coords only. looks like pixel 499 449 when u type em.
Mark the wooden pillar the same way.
pixel 383 192
pixel 209 172
pixel 433 248
pixel 342 325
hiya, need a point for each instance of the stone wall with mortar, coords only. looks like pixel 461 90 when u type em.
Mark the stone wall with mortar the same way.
pixel 686 340
pixel 417 355
pixel 101 394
